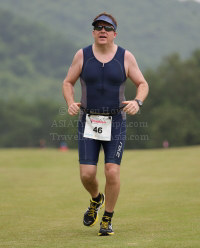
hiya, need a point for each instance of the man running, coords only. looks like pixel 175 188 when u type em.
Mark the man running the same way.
pixel 103 69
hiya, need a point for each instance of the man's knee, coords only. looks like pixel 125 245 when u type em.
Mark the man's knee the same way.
pixel 87 173
pixel 112 172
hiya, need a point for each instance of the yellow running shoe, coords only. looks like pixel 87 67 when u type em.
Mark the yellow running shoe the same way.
pixel 91 215
pixel 106 227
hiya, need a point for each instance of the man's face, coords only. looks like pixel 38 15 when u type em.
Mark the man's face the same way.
pixel 103 37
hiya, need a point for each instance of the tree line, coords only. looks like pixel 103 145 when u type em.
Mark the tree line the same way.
pixel 33 59
pixel 170 112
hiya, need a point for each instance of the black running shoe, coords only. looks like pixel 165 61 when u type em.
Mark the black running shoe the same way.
pixel 91 215
pixel 106 227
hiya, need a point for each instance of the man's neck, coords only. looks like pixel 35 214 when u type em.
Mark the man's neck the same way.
pixel 104 49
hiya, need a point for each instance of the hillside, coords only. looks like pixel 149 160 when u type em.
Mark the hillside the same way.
pixel 149 29
pixel 33 59
pixel 171 111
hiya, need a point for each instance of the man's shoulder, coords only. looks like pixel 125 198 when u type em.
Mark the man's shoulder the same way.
pixel 79 54
pixel 87 47
pixel 78 57
pixel 87 50
pixel 119 47
pixel 129 61
pixel 129 56
pixel 81 51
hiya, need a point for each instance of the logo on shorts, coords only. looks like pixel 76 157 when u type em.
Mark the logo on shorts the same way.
pixel 119 149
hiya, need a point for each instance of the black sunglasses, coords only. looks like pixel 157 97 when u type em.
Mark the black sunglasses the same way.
pixel 107 28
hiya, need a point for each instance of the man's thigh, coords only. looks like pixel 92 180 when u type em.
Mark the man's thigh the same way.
pixel 114 149
pixel 88 148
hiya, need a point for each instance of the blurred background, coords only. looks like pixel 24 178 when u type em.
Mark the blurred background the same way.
pixel 38 40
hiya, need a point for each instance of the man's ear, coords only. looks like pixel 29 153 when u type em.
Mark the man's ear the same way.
pixel 93 33
pixel 115 35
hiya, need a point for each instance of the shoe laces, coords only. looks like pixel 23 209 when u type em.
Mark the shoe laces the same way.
pixel 105 222
pixel 92 209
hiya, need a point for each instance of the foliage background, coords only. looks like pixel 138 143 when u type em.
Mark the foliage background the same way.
pixel 38 40
pixel 149 29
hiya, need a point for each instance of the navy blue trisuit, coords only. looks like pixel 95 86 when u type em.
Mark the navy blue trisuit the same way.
pixel 103 86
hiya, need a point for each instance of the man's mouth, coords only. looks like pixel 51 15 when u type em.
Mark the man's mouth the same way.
pixel 102 36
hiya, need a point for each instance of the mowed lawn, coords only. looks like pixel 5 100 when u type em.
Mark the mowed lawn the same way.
pixel 42 200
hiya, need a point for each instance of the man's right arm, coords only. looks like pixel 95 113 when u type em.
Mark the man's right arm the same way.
pixel 70 80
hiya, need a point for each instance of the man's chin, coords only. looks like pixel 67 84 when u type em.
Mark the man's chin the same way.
pixel 102 42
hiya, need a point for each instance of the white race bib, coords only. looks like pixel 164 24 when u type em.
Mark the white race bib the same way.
pixel 98 127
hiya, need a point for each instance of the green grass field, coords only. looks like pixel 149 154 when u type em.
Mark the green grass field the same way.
pixel 42 200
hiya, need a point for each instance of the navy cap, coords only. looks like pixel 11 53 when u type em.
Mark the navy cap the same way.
pixel 105 19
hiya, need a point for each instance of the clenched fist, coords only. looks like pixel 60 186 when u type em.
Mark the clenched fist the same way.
pixel 131 108
pixel 74 108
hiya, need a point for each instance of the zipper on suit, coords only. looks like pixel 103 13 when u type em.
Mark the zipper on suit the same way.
pixel 102 89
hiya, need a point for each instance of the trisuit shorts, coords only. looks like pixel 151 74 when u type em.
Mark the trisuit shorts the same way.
pixel 113 150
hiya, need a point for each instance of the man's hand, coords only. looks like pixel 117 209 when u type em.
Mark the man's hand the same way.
pixel 131 108
pixel 74 108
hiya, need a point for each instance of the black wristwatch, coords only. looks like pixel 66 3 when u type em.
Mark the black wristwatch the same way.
pixel 139 102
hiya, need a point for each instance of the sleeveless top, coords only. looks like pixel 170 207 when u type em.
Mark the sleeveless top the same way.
pixel 102 84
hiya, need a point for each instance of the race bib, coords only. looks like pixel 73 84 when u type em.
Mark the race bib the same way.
pixel 98 127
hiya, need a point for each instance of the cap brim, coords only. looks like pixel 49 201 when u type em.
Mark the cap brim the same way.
pixel 94 23
pixel 105 19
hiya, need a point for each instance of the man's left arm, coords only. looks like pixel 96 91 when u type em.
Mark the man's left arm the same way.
pixel 134 73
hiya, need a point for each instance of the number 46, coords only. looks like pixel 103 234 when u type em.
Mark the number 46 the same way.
pixel 98 130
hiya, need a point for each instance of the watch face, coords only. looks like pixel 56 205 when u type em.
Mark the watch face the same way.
pixel 139 102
